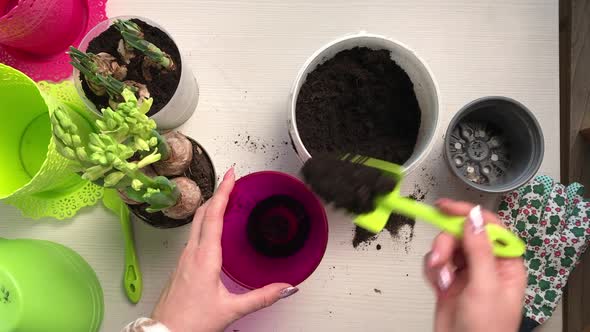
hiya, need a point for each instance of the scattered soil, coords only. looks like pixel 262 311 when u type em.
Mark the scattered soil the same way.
pixel 278 226
pixel 378 291
pixel 362 236
pixel 361 102
pixel 163 83
pixel 254 144
pixel 419 194
pixel 271 148
pixel 201 171
pixel 394 225
pixel 349 186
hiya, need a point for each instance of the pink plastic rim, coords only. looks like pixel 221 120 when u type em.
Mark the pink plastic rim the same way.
pixel 251 269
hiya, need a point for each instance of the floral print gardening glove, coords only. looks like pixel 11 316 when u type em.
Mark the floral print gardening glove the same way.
pixel 554 221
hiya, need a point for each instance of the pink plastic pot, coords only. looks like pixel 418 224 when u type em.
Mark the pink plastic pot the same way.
pixel 248 267
pixel 41 27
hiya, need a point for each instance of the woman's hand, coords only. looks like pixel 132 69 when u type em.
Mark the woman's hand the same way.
pixel 476 291
pixel 196 300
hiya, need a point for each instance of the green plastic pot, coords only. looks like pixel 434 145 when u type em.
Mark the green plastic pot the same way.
pixel 31 164
pixel 47 287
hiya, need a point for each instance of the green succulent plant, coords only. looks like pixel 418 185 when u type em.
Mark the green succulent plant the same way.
pixel 105 159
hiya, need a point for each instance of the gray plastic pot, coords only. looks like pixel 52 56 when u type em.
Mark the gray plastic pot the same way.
pixel 494 144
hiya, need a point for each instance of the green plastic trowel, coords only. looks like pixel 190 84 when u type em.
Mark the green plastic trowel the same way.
pixel 504 242
pixel 132 279
pixel 345 185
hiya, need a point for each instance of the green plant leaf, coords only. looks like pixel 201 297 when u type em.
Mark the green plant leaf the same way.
pixel 146 105
pixel 134 195
pixel 159 200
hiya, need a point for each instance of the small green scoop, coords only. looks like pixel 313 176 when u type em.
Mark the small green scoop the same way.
pixel 132 279
pixel 505 243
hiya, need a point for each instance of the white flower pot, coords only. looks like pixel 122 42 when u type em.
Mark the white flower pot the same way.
pixel 184 101
pixel 424 85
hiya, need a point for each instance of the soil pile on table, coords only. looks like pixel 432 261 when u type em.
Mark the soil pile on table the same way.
pixel 360 101
pixel 394 225
pixel 163 83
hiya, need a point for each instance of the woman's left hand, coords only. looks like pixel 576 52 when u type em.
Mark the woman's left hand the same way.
pixel 195 299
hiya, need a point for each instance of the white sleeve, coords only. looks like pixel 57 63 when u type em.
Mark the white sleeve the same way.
pixel 145 325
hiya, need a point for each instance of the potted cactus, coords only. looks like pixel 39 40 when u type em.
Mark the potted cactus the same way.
pixel 140 55
pixel 163 178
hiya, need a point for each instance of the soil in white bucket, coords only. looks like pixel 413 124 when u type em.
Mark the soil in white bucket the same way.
pixel 360 101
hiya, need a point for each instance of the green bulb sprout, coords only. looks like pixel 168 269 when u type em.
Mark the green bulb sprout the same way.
pixel 105 157
pixel 103 75
pixel 133 37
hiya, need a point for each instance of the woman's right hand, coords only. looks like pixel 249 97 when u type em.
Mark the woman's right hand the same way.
pixel 476 292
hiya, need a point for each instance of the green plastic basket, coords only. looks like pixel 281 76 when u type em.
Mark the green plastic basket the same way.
pixel 47 287
pixel 33 176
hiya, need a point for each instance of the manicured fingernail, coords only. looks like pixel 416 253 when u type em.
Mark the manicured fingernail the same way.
pixel 445 278
pixel 433 258
pixel 230 173
pixel 430 272
pixel 288 292
pixel 476 219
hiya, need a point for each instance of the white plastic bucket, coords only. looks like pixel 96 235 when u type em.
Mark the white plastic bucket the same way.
pixel 425 88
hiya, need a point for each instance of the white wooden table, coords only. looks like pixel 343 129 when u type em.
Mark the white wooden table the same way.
pixel 245 55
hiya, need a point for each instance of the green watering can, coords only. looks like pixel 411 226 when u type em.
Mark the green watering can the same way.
pixel 46 287
pixel 33 176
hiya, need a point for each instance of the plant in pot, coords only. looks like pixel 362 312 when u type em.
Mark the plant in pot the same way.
pixel 142 56
pixel 163 178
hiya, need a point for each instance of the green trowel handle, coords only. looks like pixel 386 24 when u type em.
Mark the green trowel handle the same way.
pixel 132 279
pixel 504 242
